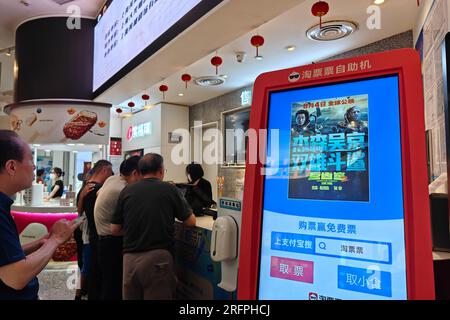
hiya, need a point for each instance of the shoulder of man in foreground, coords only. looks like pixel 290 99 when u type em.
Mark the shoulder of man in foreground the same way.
pixel 112 180
pixel 171 186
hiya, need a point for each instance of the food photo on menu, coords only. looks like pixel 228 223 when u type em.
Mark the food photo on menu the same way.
pixel 37 124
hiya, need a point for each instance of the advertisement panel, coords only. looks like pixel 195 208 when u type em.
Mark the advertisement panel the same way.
pixel 329 149
pixel 61 123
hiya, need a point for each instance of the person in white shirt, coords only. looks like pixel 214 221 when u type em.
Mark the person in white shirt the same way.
pixel 110 257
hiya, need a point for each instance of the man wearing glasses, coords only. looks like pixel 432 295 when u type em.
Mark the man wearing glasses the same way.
pixel 19 265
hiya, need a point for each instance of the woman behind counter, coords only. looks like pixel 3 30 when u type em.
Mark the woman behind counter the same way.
pixel 57 184
pixel 199 196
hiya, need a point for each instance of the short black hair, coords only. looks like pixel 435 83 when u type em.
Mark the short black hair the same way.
pixel 151 163
pixel 195 170
pixel 11 147
pixel 128 166
pixel 40 172
pixel 58 172
pixel 305 112
pixel 99 165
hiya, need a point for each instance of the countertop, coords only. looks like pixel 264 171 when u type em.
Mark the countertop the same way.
pixel 45 207
pixel 204 222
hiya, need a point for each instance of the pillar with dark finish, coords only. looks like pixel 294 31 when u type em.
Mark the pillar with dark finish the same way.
pixel 53 61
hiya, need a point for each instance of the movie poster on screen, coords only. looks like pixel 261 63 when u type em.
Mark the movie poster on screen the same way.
pixel 56 124
pixel 329 150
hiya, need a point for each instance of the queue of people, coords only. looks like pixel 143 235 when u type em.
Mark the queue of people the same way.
pixel 131 220
pixel 126 243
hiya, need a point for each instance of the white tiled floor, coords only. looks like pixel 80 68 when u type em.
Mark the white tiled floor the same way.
pixel 58 281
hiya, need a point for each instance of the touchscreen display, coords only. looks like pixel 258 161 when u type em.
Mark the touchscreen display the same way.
pixel 333 217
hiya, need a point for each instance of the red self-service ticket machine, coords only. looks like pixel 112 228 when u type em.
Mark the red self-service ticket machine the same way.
pixel 337 205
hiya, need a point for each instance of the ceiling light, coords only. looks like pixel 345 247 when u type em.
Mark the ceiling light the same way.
pixel 210 81
pixel 378 2
pixel 148 107
pixel 8 53
pixel 71 144
pixel 36 145
pixel 181 94
pixel 259 58
pixel 291 48
pixel 332 30
pixel 224 76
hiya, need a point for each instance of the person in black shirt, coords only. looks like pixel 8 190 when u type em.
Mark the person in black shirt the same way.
pixel 19 265
pixel 101 171
pixel 199 190
pixel 58 185
pixel 145 215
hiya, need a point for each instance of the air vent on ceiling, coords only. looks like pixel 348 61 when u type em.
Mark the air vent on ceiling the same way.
pixel 62 2
pixel 210 81
pixel 332 30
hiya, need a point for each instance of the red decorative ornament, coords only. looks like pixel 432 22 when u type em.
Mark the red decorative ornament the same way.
pixel 131 105
pixel 145 97
pixel 217 62
pixel 164 89
pixel 119 110
pixel 257 41
pixel 320 9
pixel 186 78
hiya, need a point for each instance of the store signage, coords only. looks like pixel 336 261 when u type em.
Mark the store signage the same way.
pixel 139 131
pixel 246 98
pixel 115 147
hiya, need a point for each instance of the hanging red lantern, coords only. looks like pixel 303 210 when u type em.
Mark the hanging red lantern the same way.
pixel 320 9
pixel 216 61
pixel 164 89
pixel 131 104
pixel 145 97
pixel 257 41
pixel 186 78
pixel 119 110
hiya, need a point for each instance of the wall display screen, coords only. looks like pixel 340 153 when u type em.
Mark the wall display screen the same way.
pixel 236 125
pixel 333 213
pixel 128 27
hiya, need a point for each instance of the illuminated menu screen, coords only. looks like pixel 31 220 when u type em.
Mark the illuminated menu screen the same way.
pixel 333 219
pixel 130 26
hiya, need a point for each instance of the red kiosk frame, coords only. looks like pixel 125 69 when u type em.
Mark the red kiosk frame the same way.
pixel 406 64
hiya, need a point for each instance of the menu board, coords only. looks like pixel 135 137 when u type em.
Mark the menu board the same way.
pixel 128 27
pixel 333 216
